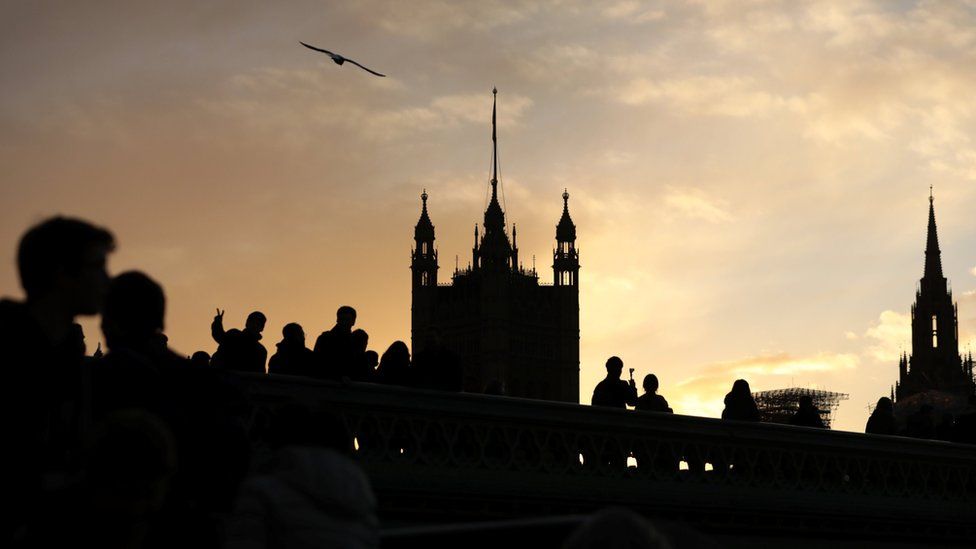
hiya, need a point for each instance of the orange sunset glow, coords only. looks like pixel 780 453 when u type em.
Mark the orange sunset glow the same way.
pixel 749 180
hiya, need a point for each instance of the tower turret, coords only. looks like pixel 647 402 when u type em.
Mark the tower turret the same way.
pixel 565 258
pixel 424 257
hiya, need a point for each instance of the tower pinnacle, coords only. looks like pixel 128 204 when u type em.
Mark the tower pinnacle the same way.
pixel 933 256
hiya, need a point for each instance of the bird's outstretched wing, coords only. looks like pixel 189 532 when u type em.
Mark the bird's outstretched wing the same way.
pixel 364 68
pixel 316 49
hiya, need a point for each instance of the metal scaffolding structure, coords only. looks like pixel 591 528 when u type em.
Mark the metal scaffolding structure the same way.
pixel 779 405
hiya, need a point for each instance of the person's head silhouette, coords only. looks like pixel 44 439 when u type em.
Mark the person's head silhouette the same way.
pixel 360 340
pixel 741 388
pixel 255 323
pixel 62 262
pixel 884 405
pixel 293 333
pixel 346 317
pixel 372 359
pixel 200 358
pixel 650 383
pixel 134 309
pixel 615 367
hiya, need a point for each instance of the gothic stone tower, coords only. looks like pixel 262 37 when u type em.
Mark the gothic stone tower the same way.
pixel 504 324
pixel 935 363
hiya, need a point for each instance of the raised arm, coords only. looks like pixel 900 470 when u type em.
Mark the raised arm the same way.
pixel 217 327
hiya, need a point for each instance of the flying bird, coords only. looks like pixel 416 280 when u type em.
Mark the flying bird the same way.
pixel 339 59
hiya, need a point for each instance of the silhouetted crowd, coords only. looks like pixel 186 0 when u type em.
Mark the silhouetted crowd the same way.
pixel 139 446
pixel 740 405
pixel 340 353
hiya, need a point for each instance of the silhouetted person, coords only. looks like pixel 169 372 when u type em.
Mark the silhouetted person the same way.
pixel 438 367
pixel 882 420
pixel 293 357
pixel 372 359
pixel 335 349
pixel 807 415
pixel 739 404
pixel 920 424
pixel 61 263
pixel 130 375
pixel 358 367
pixel 200 359
pixel 394 367
pixel 650 401
pixel 240 350
pixel 613 391
pixel 965 430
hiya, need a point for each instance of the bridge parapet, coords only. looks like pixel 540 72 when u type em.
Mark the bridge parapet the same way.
pixel 440 457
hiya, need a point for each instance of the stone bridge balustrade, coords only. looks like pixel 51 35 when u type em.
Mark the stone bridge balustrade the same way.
pixel 437 457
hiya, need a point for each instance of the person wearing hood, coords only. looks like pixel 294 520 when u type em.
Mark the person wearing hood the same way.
pixel 739 404
pixel 313 496
pixel 293 357
pixel 882 420
pixel 240 350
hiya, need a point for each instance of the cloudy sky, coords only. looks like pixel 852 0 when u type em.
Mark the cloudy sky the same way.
pixel 749 179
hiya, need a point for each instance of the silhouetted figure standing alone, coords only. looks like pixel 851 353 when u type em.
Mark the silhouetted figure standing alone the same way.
pixel 293 357
pixel 808 415
pixel 613 391
pixel 882 420
pixel 62 268
pixel 739 404
pixel 650 401
pixel 335 349
pixel 240 350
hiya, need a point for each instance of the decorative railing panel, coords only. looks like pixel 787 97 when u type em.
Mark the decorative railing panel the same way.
pixel 443 456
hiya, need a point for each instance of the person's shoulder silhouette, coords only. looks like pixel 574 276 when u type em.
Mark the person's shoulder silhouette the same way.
pixel 650 401
pixel 394 367
pixel 807 415
pixel 739 404
pixel 882 420
pixel 293 357
pixel 612 391
pixel 335 348
pixel 240 350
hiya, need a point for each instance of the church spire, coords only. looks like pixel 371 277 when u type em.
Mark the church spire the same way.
pixel 424 230
pixel 494 216
pixel 933 256
pixel 494 146
pixel 424 257
pixel 495 251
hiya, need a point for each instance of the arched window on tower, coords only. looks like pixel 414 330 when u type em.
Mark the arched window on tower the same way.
pixel 425 279
pixel 935 332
